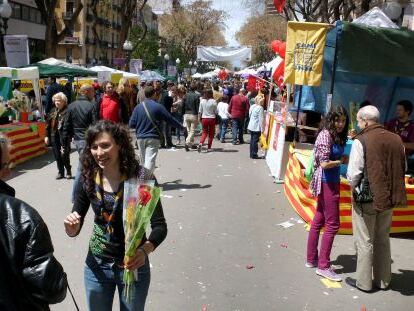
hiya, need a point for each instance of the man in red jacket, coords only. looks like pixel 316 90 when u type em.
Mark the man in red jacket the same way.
pixel 111 106
pixel 238 108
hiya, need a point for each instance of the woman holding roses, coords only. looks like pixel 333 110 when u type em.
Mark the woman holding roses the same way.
pixel 108 161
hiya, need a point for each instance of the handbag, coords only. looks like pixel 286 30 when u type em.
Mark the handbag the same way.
pixel 362 192
pixel 153 122
pixel 310 167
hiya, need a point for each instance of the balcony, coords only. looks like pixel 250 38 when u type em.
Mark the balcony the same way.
pixel 67 15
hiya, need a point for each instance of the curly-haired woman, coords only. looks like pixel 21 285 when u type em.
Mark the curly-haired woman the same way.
pixel 328 157
pixel 109 160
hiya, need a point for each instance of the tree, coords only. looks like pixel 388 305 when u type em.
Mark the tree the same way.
pixel 47 9
pixel 191 25
pixel 148 47
pixel 327 11
pixel 259 32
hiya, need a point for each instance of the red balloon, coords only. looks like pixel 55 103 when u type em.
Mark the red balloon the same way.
pixel 282 49
pixel 275 45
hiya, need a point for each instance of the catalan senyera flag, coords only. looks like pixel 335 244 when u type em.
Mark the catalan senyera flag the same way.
pixel 305 46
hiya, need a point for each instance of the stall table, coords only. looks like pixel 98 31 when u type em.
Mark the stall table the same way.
pixel 300 197
pixel 26 139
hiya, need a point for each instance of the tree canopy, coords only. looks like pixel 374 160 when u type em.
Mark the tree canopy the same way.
pixel 259 32
pixel 192 25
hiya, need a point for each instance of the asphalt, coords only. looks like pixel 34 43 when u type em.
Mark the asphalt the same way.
pixel 224 250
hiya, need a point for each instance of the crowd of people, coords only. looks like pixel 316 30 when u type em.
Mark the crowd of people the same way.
pixel 99 122
pixel 156 112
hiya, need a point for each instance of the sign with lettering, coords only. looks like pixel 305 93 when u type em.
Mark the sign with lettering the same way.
pixel 305 46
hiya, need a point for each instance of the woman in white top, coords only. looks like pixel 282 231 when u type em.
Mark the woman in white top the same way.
pixel 207 113
pixel 256 125
pixel 222 110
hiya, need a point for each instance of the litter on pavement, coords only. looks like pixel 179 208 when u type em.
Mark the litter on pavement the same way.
pixel 286 224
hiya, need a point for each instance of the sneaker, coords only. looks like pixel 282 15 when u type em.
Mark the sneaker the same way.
pixel 310 265
pixel 60 176
pixel 329 274
pixel 186 147
pixel 199 148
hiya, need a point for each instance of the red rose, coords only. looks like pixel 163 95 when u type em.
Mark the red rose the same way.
pixel 144 195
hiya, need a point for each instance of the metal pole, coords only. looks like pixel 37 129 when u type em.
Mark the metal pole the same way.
pixel 332 86
pixel 295 138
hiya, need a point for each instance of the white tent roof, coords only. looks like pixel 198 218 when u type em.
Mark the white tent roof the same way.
pixel 197 75
pixel 27 73
pixel 104 68
pixel 209 75
pixel 56 62
pixel 375 18
pixel 271 65
pixel 249 71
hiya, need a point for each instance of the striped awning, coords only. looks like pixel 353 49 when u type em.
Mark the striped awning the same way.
pixel 300 197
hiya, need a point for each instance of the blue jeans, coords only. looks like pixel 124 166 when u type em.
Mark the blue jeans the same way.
pixel 101 279
pixel 254 140
pixel 223 128
pixel 80 145
pixel 237 130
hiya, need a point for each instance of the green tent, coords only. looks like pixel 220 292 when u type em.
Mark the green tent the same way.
pixel 376 51
pixel 61 71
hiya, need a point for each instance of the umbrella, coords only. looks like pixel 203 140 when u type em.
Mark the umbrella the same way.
pixel 149 75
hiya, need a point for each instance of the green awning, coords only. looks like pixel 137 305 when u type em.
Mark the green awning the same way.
pixel 377 51
pixel 60 71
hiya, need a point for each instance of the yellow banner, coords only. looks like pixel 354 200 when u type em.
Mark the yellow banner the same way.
pixel 305 45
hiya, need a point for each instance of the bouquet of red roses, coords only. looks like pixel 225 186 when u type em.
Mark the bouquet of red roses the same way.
pixel 140 200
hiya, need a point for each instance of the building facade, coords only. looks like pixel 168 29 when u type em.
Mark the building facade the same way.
pixel 94 38
pixel 27 20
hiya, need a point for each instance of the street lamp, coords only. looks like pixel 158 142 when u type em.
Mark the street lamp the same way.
pixel 177 62
pixel 5 13
pixel 127 47
pixel 166 58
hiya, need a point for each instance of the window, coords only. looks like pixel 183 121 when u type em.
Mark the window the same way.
pixel 25 13
pixel 32 13
pixel 16 10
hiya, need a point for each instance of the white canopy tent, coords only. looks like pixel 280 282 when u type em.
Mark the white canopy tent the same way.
pixel 272 65
pixel 28 73
pixel 246 71
pixel 125 74
pixel 197 75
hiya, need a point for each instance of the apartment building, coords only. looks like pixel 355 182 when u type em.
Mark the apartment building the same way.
pixel 27 20
pixel 91 40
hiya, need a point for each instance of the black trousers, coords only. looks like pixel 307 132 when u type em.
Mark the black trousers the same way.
pixel 254 141
pixel 61 154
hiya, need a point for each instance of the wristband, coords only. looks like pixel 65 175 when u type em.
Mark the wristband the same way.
pixel 143 249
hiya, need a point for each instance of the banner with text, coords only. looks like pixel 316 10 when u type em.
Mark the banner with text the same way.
pixel 17 50
pixel 222 53
pixel 305 46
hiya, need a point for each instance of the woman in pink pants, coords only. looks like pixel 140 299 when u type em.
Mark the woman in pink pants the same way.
pixel 328 157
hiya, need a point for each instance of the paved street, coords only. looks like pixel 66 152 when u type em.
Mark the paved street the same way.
pixel 222 211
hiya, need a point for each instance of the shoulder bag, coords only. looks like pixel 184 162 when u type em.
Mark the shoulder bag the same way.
pixel 152 121
pixel 362 193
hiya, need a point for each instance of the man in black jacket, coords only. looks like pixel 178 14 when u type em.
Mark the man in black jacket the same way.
pixel 30 276
pixel 79 116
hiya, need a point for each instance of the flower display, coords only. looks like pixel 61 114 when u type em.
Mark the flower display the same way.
pixel 140 200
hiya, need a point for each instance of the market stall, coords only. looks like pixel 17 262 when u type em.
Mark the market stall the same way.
pixel 26 139
pixel 360 62
pixel 298 194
